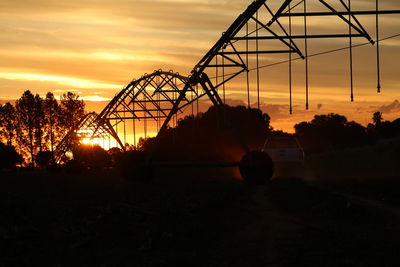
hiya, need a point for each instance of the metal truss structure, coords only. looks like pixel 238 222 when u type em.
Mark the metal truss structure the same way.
pixel 86 128
pixel 152 97
pixel 231 54
pixel 265 28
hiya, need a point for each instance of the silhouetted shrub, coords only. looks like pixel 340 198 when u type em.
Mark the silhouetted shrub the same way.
pixel 9 158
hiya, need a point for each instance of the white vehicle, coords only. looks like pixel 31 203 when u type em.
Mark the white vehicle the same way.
pixel 284 149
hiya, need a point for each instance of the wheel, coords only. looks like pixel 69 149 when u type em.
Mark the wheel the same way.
pixel 256 167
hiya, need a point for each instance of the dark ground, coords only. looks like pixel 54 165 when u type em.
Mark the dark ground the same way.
pixel 182 218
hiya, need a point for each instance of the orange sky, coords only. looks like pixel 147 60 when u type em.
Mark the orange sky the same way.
pixel 95 47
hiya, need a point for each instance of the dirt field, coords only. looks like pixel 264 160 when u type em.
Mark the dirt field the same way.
pixel 188 217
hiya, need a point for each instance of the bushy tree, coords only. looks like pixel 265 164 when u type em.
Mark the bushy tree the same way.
pixel 382 129
pixel 36 125
pixel 39 123
pixel 221 133
pixel 332 131
pixel 52 113
pixel 8 123
pixel 25 110
pixel 72 110
pixel 9 157
pixel 377 118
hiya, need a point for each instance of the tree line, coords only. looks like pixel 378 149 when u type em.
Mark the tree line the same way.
pixel 221 133
pixel 34 125
pixel 225 133
pixel 334 131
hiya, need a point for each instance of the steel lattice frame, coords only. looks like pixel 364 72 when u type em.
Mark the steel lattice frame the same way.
pixel 226 55
pixel 161 95
pixel 83 129
pixel 151 97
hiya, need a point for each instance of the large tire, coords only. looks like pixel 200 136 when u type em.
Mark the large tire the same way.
pixel 256 167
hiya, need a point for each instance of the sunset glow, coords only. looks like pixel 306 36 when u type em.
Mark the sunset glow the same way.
pixel 96 48
pixel 199 132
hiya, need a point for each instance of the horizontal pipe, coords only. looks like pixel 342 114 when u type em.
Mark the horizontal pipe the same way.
pixel 224 65
pixel 256 52
pixel 142 110
pixel 313 14
pixel 138 118
pixel 299 37
pixel 152 101
pixel 189 164
pixel 166 91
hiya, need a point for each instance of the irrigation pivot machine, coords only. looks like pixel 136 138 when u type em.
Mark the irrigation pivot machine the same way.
pixel 265 29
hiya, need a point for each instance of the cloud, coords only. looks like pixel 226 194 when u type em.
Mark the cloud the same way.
pixel 391 108
pixel 100 45
pixel 77 83
pixel 235 102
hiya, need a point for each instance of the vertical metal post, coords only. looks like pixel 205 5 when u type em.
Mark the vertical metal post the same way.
pixel 191 100
pixel 144 116
pixel 247 66
pixel 124 126
pixel 133 120
pixel 176 95
pixel 257 63
pixel 197 101
pixel 306 52
pixel 134 132
pixel 216 70
pixel 116 131
pixel 351 55
pixel 223 76
pixel 378 67
pixel 290 63
pixel 158 102
pixel 193 117
pixel 158 112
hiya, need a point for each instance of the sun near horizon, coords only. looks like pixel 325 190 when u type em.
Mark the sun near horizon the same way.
pixel 97 48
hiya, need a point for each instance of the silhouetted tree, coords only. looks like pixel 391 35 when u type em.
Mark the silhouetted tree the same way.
pixel 8 123
pixel 36 125
pixel 72 110
pixel 377 118
pixel 332 131
pixel 396 126
pixel 9 157
pixel 52 114
pixel 221 133
pixel 381 129
pixel 25 110
pixel 39 122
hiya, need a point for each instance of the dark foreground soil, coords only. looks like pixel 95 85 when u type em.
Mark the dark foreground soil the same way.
pixel 194 218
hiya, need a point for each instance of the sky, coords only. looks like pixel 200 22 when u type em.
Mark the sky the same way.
pixel 96 47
